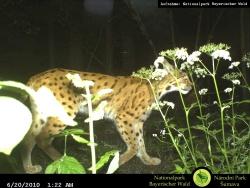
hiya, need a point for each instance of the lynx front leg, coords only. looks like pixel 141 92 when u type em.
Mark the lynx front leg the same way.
pixel 142 153
pixel 126 131
pixel 132 135
pixel 127 155
pixel 145 158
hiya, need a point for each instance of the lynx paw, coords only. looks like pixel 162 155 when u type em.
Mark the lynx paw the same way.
pixel 33 169
pixel 152 161
pixel 155 161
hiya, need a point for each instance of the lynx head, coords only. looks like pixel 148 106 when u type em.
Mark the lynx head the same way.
pixel 173 80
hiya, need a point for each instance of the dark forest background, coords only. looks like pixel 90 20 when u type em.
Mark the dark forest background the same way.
pixel 113 37
pixel 108 36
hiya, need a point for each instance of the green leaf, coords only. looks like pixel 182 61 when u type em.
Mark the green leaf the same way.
pixel 52 168
pixel 214 132
pixel 67 132
pixel 171 125
pixel 104 159
pixel 200 127
pixel 182 130
pixel 204 117
pixel 80 139
pixel 179 169
pixel 193 105
pixel 65 165
pixel 15 121
pixel 114 164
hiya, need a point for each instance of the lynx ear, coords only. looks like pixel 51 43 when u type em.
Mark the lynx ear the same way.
pixel 167 66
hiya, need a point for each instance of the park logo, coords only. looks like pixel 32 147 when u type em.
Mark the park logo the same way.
pixel 202 177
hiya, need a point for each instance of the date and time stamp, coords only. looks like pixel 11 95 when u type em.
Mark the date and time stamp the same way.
pixel 38 185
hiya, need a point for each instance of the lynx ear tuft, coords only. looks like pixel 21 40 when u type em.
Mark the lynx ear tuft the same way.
pixel 166 65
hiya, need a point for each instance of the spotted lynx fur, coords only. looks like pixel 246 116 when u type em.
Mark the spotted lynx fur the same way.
pixel 128 106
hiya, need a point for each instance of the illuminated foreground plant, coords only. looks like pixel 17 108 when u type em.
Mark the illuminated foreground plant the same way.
pixel 228 152
pixel 69 164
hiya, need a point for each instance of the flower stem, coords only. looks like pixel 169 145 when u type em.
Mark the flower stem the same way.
pixel 233 117
pixel 187 119
pixel 91 131
pixel 222 121
pixel 204 123
pixel 170 133
pixel 192 152
pixel 189 128
pixel 243 77
pixel 65 145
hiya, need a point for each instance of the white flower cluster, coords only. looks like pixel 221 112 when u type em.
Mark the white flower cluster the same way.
pixel 189 64
pixel 228 90
pixel 170 104
pixel 159 74
pixel 248 64
pixel 78 82
pixel 181 53
pixel 184 66
pixel 200 72
pixel 234 64
pixel 154 106
pixel 224 54
pixel 193 57
pixel 100 93
pixel 180 135
pixel 163 132
pixel 236 82
pixel 98 112
pixel 154 135
pixel 203 91
pixel 104 92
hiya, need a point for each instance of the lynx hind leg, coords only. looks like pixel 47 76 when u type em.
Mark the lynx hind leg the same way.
pixel 45 138
pixel 28 144
pixel 41 134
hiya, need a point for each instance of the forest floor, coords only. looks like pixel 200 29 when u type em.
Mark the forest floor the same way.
pixel 107 138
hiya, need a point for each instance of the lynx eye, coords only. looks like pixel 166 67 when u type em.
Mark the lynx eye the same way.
pixel 167 88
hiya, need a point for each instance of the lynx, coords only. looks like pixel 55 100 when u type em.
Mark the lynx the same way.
pixel 128 106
